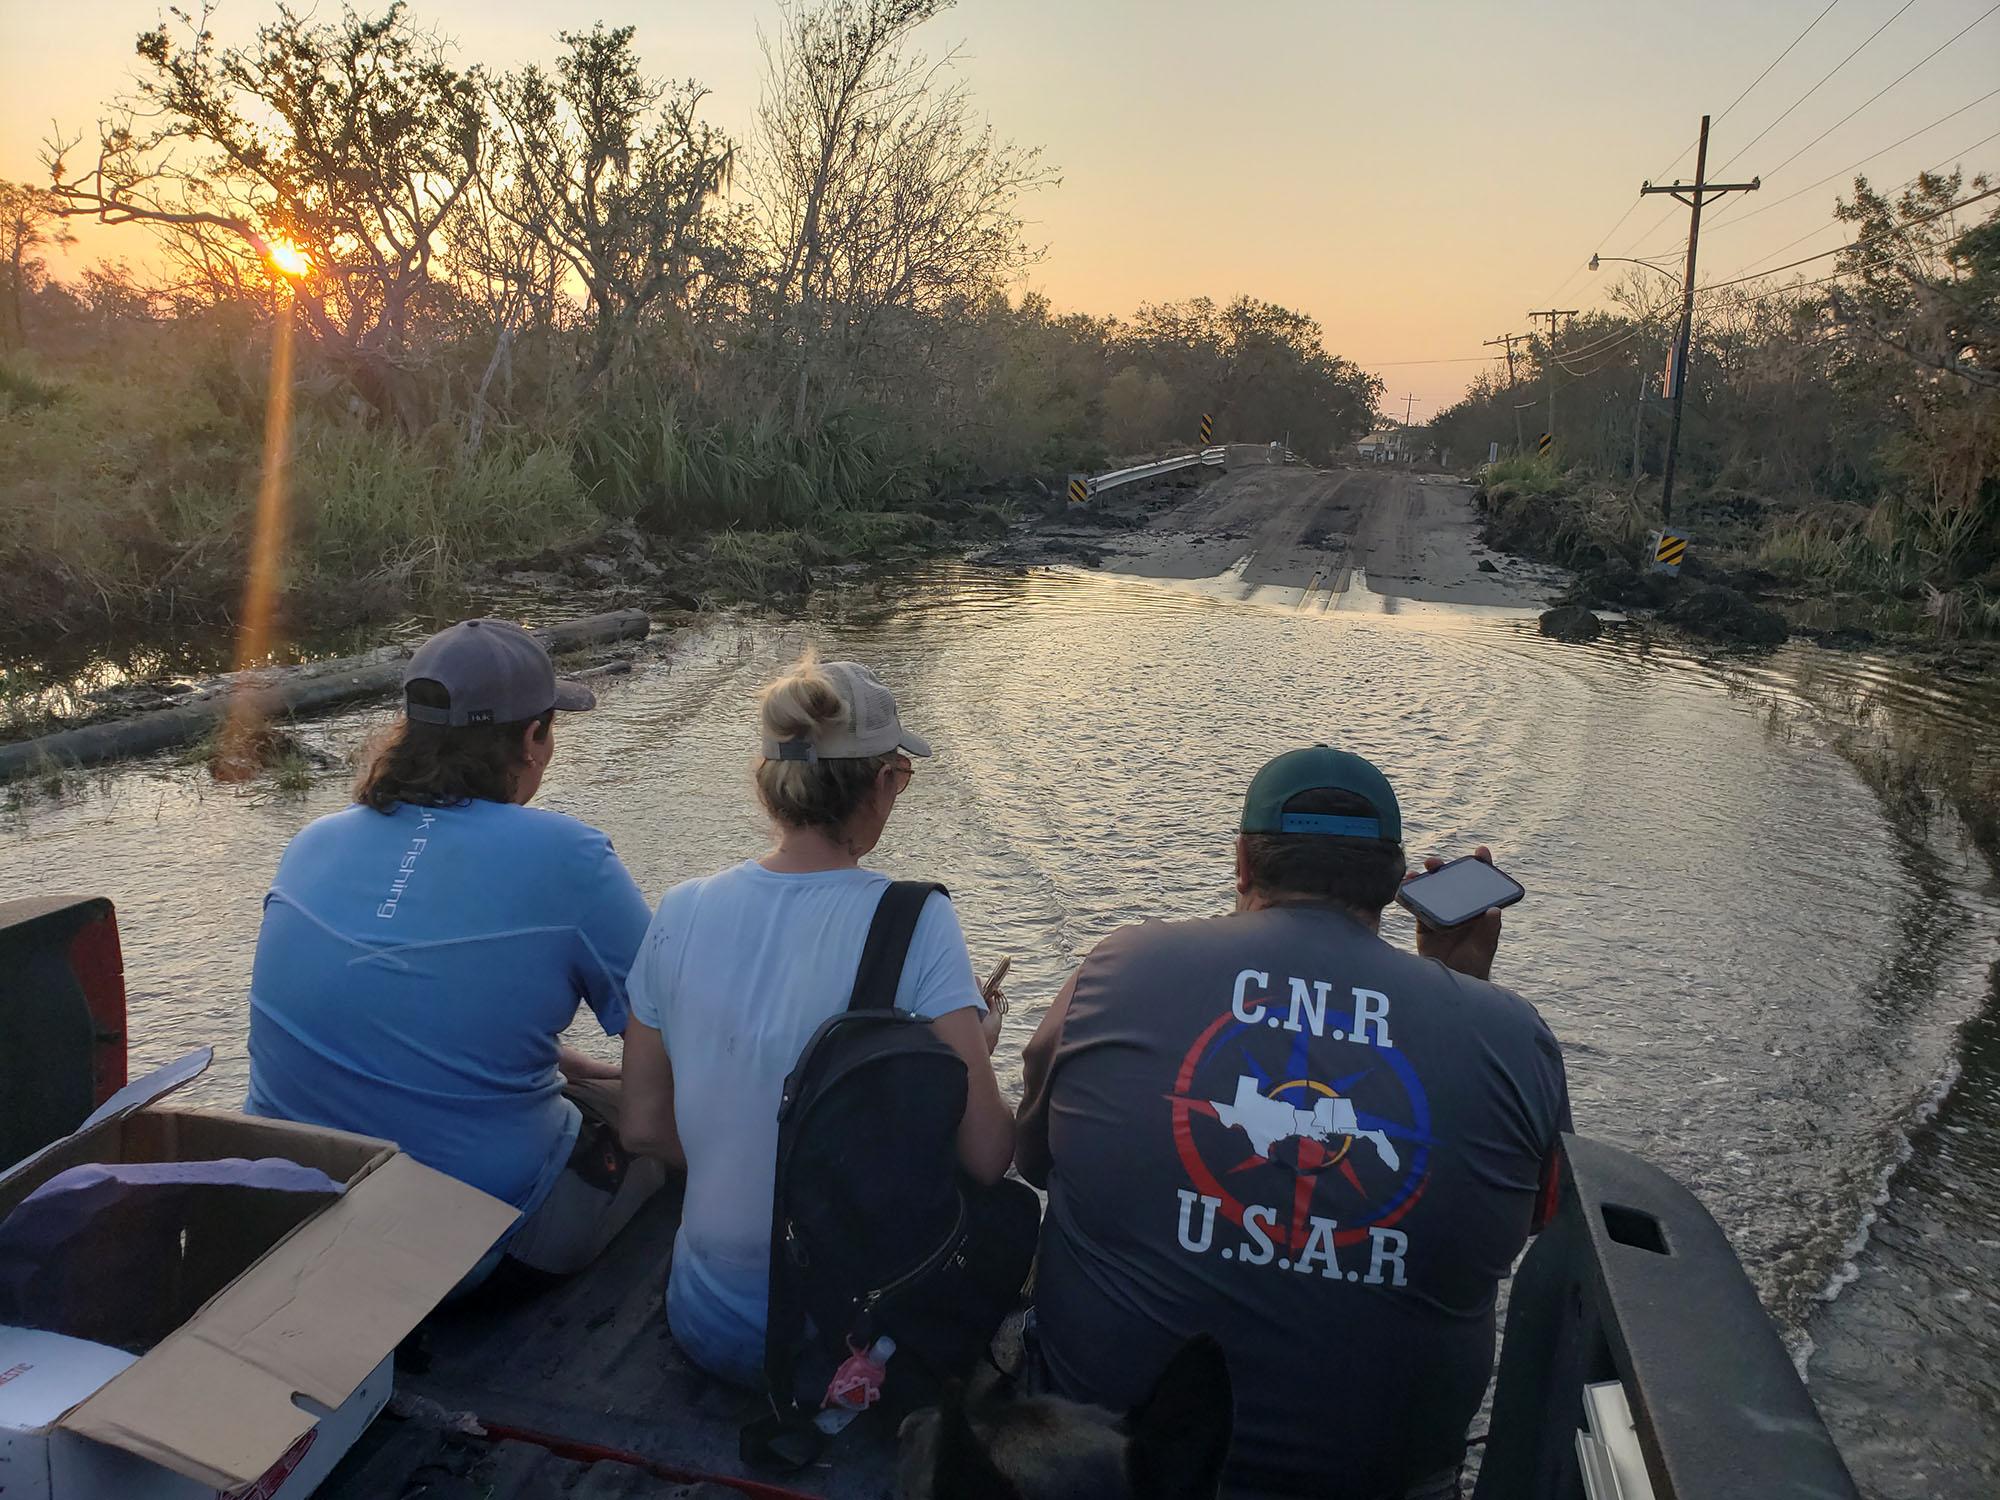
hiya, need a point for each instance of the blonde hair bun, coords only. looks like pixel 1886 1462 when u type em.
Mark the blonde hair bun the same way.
pixel 802 704
pixel 806 704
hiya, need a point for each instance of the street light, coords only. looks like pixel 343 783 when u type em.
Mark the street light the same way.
pixel 1598 260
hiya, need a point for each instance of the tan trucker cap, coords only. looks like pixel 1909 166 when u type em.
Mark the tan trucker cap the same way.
pixel 871 726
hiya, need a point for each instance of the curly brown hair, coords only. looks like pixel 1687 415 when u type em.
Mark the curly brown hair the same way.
pixel 439 765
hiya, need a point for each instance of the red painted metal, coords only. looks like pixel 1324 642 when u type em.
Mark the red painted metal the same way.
pixel 99 965
pixel 593 1453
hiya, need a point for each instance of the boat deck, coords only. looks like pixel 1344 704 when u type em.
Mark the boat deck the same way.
pixel 590 1362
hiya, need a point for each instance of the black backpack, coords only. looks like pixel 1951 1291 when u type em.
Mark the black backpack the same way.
pixel 874 1228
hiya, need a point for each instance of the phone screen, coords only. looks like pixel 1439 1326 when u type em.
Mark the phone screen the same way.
pixel 1459 892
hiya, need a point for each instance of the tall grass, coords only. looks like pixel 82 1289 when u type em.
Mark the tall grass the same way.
pixel 125 504
pixel 22 389
pixel 1843 546
pixel 368 501
pixel 128 503
pixel 1889 548
pixel 1527 474
pixel 649 457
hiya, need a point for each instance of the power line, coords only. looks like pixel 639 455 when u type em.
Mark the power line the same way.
pixel 1761 76
pixel 1816 87
pixel 1863 161
pixel 1954 158
pixel 1834 223
pixel 1620 342
pixel 1584 264
pixel 1788 109
pixel 1907 224
pixel 1738 281
pixel 1873 97
pixel 1683 155
pixel 1615 337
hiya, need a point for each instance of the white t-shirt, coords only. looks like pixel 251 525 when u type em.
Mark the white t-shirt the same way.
pixel 736 973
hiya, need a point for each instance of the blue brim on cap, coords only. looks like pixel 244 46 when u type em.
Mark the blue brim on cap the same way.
pixel 1320 768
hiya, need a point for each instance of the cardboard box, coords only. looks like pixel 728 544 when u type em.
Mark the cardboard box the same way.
pixel 293 1316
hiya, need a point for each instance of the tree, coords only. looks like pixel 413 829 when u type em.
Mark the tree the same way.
pixel 30 217
pixel 1260 369
pixel 1919 283
pixel 617 175
pixel 878 192
pixel 1138 409
pixel 352 141
pixel 1921 286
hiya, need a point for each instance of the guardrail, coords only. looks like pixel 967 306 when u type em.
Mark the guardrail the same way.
pixel 1097 483
pixel 1083 486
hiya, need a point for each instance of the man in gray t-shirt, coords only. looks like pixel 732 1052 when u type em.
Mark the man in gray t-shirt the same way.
pixel 1277 1128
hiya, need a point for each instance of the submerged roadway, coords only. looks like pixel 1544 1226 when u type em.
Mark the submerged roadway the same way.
pixel 1324 532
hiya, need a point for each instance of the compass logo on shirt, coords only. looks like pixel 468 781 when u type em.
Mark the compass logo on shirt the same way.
pixel 1301 1124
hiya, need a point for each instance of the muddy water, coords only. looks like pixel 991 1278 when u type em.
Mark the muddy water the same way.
pixel 1759 981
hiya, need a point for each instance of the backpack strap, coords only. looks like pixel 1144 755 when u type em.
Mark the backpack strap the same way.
pixel 888 944
pixel 784 1436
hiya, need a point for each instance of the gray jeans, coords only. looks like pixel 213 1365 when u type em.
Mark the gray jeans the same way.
pixel 599 1191
pixel 1032 1376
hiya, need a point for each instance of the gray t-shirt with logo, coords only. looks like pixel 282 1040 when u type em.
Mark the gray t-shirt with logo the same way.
pixel 1277 1128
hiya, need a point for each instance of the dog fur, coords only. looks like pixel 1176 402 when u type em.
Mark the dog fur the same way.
pixel 1006 1446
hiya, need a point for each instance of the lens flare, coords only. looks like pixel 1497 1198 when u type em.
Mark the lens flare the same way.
pixel 239 746
pixel 288 259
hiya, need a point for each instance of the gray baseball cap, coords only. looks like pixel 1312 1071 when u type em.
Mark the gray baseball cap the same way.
pixel 492 673
pixel 871 728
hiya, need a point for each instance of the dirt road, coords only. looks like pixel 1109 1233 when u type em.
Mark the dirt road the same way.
pixel 1380 531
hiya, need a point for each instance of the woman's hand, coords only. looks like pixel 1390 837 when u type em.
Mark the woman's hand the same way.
pixel 996 1014
pixel 996 1003
pixel 579 1067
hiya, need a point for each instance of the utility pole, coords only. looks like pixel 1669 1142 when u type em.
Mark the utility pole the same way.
pixel 1408 402
pixel 1694 196
pixel 1638 426
pixel 1552 314
pixel 1510 340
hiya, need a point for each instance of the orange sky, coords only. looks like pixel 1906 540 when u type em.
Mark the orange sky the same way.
pixel 1415 175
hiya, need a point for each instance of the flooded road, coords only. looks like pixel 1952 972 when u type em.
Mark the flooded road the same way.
pixel 1758 980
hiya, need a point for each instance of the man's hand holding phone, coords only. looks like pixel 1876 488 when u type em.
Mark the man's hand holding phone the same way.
pixel 1468 947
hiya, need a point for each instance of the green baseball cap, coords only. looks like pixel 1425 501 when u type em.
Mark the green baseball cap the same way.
pixel 1319 768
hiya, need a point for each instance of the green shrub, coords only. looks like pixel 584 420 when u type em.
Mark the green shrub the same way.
pixel 24 390
pixel 1523 474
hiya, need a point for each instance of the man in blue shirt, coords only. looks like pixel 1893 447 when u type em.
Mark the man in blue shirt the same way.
pixel 422 951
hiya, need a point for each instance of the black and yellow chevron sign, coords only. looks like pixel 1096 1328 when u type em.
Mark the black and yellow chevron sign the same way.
pixel 1079 489
pixel 1207 427
pixel 1545 442
pixel 1671 550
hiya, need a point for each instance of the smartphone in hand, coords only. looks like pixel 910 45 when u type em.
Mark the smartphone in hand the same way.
pixel 992 986
pixel 1455 893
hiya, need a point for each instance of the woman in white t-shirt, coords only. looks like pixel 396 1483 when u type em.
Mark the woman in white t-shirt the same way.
pixel 739 969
